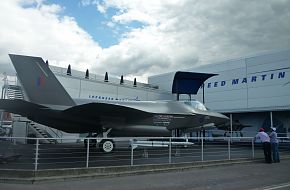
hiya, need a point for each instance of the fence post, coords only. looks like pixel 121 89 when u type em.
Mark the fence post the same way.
pixel 202 149
pixel 36 155
pixel 88 152
pixel 169 150
pixel 132 154
pixel 229 147
pixel 253 147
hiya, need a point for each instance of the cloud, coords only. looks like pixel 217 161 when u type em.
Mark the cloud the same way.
pixel 34 28
pixel 181 34
pixel 170 35
pixel 101 8
pixel 134 15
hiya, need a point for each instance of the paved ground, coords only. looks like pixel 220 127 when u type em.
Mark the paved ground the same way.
pixel 255 175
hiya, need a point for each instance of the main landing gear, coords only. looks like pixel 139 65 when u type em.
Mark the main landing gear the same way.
pixel 105 144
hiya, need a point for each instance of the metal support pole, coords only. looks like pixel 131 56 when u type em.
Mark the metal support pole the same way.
pixel 36 155
pixel 231 124
pixel 132 153
pixel 2 113
pixel 202 149
pixel 170 150
pixel 229 148
pixel 2 94
pixel 88 152
pixel 177 133
pixel 145 153
pixel 253 147
pixel 203 93
pixel 271 118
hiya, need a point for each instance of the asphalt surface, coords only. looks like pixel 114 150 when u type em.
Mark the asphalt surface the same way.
pixel 255 175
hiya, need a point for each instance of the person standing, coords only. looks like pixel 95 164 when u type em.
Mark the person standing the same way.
pixel 264 137
pixel 274 145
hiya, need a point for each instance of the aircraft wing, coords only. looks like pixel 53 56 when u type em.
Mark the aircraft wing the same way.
pixel 101 110
pixel 21 107
pixel 95 109
pixel 90 117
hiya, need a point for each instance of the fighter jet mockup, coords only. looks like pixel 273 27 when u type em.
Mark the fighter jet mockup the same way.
pixel 48 103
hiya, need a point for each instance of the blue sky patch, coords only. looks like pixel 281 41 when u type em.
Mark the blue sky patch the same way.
pixel 94 22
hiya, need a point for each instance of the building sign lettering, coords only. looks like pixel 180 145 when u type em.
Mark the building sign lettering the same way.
pixel 245 80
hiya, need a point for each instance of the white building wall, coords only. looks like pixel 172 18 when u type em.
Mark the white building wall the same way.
pixel 97 89
pixel 272 89
pixel 163 81
pixel 258 83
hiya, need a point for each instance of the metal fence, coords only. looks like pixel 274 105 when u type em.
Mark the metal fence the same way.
pixel 37 154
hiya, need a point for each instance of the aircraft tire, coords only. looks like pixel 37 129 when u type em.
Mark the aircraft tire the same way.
pixel 107 145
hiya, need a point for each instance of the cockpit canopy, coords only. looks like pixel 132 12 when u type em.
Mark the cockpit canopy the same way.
pixel 196 105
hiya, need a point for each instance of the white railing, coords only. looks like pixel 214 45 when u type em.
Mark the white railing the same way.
pixel 127 151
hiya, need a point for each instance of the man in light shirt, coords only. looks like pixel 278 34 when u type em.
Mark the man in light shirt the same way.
pixel 265 139
pixel 274 145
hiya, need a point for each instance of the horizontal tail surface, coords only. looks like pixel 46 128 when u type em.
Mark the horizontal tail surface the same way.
pixel 38 81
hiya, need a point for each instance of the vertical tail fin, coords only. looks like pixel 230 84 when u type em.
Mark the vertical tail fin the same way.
pixel 38 81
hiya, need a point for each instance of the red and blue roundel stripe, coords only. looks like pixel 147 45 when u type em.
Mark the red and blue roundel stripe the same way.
pixel 40 81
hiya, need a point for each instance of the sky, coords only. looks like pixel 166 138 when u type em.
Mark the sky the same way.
pixel 140 38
